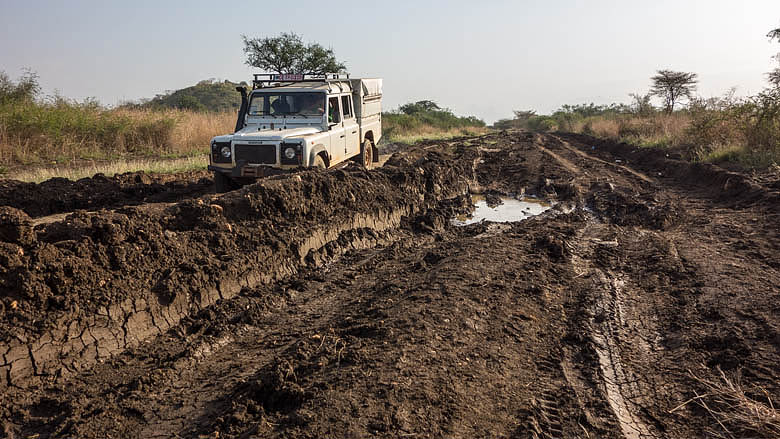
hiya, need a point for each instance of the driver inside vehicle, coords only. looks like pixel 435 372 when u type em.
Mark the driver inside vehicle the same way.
pixel 312 105
pixel 280 106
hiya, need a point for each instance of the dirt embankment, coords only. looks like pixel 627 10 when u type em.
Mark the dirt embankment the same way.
pixel 59 195
pixel 345 304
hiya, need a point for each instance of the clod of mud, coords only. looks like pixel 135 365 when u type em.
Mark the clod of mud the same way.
pixel 16 226
pixel 630 209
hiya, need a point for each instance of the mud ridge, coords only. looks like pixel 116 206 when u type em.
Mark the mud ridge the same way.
pixel 98 283
pixel 58 195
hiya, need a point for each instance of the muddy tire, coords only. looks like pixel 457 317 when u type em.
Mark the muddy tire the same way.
pixel 367 154
pixel 223 183
pixel 319 163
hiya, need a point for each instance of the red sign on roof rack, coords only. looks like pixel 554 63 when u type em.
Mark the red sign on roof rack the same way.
pixel 287 77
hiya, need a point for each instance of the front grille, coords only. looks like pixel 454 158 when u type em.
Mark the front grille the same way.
pixel 256 154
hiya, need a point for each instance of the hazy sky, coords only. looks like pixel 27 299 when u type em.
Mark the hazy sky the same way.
pixel 475 57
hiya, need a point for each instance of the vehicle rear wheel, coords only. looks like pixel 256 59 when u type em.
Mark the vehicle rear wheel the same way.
pixel 319 162
pixel 223 183
pixel 367 154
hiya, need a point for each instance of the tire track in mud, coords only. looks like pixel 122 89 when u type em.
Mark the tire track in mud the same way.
pixel 547 421
pixel 607 304
pixel 602 331
pixel 587 156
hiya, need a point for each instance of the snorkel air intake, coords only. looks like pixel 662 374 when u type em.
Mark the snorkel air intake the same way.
pixel 242 110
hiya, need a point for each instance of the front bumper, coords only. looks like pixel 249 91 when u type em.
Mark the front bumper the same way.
pixel 252 171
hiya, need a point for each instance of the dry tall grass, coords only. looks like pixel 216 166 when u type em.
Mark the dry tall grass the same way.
pixel 658 129
pixel 46 134
pixel 37 174
pixel 193 131
pixel 736 412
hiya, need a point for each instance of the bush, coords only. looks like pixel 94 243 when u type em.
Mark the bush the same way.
pixel 25 90
pixel 760 118
pixel 424 119
pixel 541 124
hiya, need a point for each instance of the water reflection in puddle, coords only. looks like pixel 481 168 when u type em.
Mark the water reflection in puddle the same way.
pixel 509 210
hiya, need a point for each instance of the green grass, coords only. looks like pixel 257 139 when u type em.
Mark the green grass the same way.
pixel 433 134
pixel 424 120
pixel 745 157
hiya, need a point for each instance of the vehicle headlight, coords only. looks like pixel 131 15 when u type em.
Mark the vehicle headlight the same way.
pixel 225 151
pixel 289 152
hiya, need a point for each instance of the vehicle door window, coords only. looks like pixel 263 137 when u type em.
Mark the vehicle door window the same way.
pixel 334 115
pixel 346 105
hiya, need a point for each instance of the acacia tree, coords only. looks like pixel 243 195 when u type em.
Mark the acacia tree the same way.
pixel 671 86
pixel 419 107
pixel 774 75
pixel 287 54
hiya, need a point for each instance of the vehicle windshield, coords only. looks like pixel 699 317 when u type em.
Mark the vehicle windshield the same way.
pixel 287 104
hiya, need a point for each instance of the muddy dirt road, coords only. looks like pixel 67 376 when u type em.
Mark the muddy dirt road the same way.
pixel 644 304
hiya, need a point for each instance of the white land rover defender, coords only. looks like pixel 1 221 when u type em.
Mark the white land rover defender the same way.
pixel 292 121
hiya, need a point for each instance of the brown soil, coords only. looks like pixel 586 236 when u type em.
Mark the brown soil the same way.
pixel 59 195
pixel 345 304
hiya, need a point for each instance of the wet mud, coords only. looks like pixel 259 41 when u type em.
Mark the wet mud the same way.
pixel 348 303
pixel 60 195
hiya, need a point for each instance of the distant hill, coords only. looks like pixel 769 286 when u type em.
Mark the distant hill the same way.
pixel 208 95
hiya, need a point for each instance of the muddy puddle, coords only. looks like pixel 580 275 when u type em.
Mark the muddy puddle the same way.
pixel 509 210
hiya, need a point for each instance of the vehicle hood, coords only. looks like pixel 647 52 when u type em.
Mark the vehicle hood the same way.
pixel 251 133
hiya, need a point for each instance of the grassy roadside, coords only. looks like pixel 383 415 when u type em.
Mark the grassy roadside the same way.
pixel 60 133
pixel 37 174
pixel 742 133
pixel 424 120
pixel 431 133
pixel 714 142
pixel 42 137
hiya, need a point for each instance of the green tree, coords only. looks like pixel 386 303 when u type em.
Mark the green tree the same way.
pixel 287 53
pixel 671 86
pixel 26 89
pixel 774 75
pixel 641 105
pixel 419 107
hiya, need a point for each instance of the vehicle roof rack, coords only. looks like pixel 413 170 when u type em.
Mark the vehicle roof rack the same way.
pixel 262 80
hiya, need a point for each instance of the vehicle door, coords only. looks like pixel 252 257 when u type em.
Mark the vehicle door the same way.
pixel 351 129
pixel 336 128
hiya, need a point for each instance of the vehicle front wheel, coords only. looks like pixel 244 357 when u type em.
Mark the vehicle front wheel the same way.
pixel 319 162
pixel 367 154
pixel 223 183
